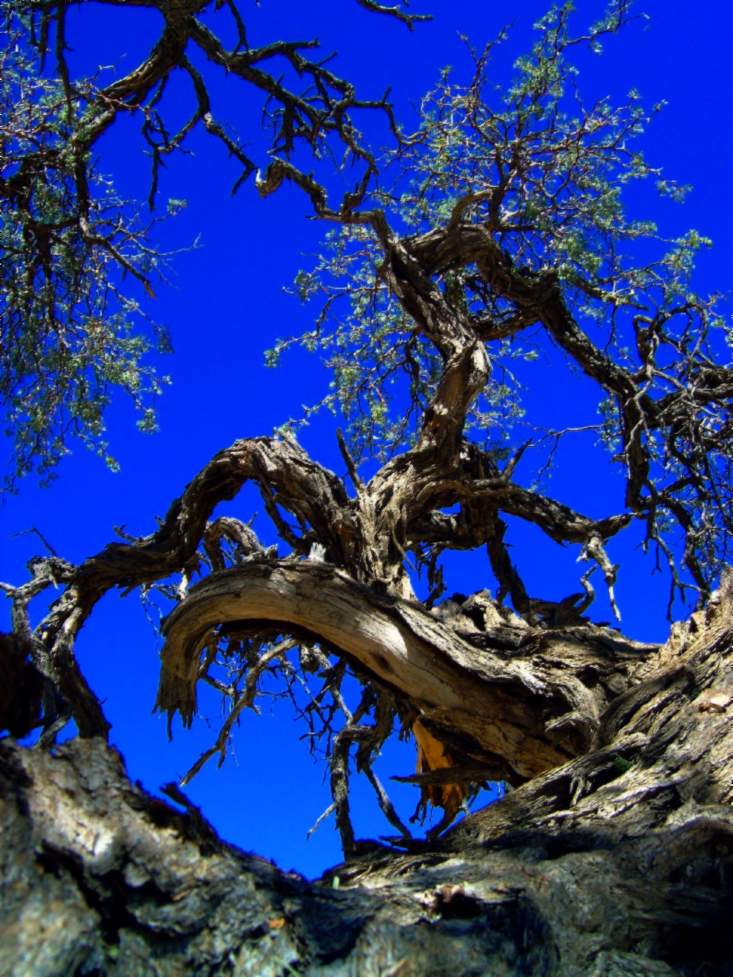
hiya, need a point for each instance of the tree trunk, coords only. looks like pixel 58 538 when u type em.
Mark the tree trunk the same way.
pixel 618 862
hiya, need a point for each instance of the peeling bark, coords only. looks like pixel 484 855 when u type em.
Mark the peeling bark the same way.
pixel 529 700
pixel 612 855
pixel 619 862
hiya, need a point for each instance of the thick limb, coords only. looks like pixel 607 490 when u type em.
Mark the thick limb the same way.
pixel 287 478
pixel 521 699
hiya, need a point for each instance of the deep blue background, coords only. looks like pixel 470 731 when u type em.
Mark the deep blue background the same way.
pixel 226 304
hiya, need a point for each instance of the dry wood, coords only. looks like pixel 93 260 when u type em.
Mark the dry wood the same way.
pixel 619 862
pixel 533 708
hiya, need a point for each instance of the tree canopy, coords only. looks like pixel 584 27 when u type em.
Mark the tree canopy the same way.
pixel 501 224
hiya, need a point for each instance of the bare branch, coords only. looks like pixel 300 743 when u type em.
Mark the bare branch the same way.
pixel 396 11
pixel 244 701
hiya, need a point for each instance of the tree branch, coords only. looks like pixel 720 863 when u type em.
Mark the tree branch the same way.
pixel 541 710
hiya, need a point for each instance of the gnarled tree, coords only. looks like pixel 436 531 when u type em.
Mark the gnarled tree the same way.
pixel 503 224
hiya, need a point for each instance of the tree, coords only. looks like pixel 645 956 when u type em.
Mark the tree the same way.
pixel 498 218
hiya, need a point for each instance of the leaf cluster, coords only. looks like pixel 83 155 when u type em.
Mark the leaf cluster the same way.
pixel 557 185
pixel 71 328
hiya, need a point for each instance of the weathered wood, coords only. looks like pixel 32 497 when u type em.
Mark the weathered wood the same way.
pixel 617 863
pixel 533 707
pixel 613 855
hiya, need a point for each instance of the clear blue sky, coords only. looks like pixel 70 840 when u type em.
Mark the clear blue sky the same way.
pixel 226 304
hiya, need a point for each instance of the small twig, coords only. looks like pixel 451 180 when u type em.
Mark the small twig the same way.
pixel 396 11
pixel 346 455
pixel 39 534
pixel 594 550
pixel 321 818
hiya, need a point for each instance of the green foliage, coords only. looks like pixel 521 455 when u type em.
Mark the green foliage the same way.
pixel 554 181
pixel 547 182
pixel 71 326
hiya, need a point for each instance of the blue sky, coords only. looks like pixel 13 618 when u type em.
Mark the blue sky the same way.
pixel 226 304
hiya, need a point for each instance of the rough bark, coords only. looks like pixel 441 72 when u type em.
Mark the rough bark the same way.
pixel 617 862
pixel 529 700
pixel 613 854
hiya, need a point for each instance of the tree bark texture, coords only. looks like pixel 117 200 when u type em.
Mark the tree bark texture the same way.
pixel 612 855
pixel 618 861
pixel 524 700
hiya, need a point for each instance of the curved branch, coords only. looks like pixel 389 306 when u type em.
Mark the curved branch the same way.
pixel 643 405
pixel 557 520
pixel 533 707
pixel 465 361
pixel 312 493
